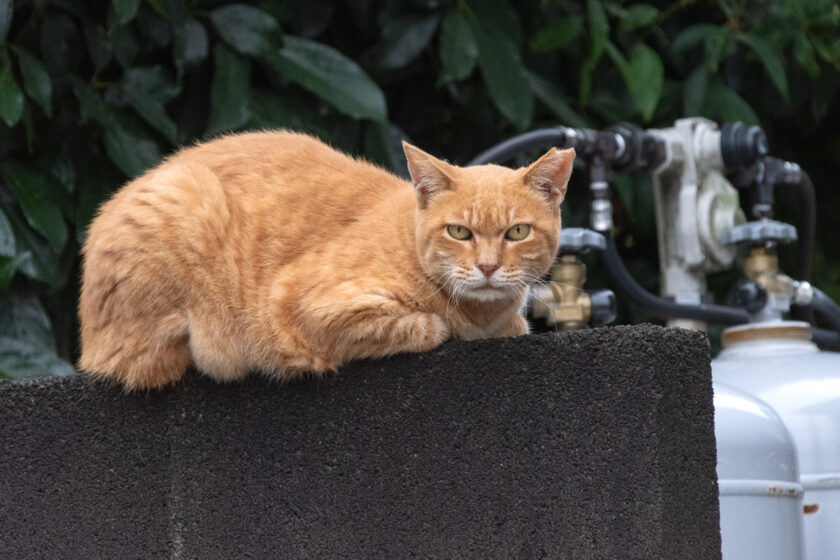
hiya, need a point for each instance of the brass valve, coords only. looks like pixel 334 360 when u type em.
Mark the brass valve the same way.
pixel 563 302
pixel 780 290
pixel 762 267
pixel 769 292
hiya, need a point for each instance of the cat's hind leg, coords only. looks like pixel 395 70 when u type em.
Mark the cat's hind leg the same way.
pixel 217 349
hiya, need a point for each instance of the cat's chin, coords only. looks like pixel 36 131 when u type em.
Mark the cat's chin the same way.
pixel 488 293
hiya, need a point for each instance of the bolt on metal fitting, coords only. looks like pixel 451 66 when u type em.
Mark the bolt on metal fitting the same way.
pixel 791 172
pixel 601 214
pixel 803 293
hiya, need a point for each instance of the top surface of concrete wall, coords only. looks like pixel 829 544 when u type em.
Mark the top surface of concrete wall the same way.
pixel 592 444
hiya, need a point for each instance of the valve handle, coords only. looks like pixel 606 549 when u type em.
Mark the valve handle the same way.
pixel 760 232
pixel 581 240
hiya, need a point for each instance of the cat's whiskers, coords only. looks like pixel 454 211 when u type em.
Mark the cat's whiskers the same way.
pixel 437 290
pixel 538 280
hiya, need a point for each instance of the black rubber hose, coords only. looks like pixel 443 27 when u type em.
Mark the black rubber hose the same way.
pixel 826 339
pixel 624 284
pixel 542 138
pixel 826 309
pixel 806 226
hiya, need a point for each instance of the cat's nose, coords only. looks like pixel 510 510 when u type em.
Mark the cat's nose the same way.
pixel 488 269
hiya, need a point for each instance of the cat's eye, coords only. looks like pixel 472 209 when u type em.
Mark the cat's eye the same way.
pixel 518 232
pixel 458 232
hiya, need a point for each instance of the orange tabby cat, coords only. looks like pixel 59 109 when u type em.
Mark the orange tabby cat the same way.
pixel 271 251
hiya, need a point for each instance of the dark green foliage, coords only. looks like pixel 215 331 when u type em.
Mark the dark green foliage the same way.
pixel 94 93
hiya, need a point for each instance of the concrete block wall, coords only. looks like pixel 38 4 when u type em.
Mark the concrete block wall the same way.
pixel 583 445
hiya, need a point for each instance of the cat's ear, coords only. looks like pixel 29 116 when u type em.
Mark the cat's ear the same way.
pixel 428 174
pixel 550 174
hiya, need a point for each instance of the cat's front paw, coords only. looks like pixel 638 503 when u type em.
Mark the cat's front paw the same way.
pixel 425 330
pixel 518 326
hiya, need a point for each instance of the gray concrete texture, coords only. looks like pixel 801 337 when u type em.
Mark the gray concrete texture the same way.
pixel 590 444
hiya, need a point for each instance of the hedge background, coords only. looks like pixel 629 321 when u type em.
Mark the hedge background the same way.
pixel 93 93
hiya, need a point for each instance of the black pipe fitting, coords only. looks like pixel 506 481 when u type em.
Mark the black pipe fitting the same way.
pixel 741 144
pixel 641 151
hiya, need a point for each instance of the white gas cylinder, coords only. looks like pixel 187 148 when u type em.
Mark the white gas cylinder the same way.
pixel 777 363
pixel 758 482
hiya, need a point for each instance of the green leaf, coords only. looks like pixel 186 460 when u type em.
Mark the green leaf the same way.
pixel 35 192
pixel 148 89
pixel 20 359
pixel 153 80
pixel 723 104
pixel 7 8
pixel 90 105
pixel 27 346
pixel 716 44
pixel 37 260
pixel 772 62
pixel 555 100
pixel 25 319
pixel 558 34
pixel 131 150
pixel 504 75
pixel 458 48
pixel 125 44
pixel 335 78
pixel 229 91
pixel 60 167
pixel 11 97
pixel 190 44
pixel 248 30
pixel 404 37
pixel 645 78
pixel 7 237
pixel 500 16
pixel 125 10
pixel 99 46
pixel 127 145
pixel 36 80
pixel 599 27
pixel 173 11
pixel 272 110
pixel 383 145
pixel 803 51
pixel 599 31
pixel 9 266
pixel 637 15
pixel 644 75
pixel 62 46
pixel 153 113
pixel 694 91
pixel 692 36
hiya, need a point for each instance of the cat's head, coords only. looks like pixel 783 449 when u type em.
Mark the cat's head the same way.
pixel 487 232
